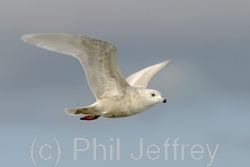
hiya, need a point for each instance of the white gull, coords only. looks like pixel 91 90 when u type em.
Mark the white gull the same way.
pixel 115 95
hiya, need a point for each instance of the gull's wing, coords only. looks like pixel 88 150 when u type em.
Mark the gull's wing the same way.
pixel 97 57
pixel 142 78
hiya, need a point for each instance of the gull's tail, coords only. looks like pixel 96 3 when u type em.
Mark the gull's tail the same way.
pixel 84 110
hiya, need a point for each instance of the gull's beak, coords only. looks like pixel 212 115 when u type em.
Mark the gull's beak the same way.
pixel 164 101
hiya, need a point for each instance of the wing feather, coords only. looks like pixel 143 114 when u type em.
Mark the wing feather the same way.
pixel 98 58
pixel 142 78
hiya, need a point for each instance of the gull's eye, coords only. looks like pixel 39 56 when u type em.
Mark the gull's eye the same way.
pixel 153 95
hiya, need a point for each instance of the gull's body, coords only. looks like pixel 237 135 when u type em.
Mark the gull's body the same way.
pixel 115 96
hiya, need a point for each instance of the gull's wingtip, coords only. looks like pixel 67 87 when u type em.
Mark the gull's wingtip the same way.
pixel 24 37
pixel 34 38
pixel 27 37
pixel 167 62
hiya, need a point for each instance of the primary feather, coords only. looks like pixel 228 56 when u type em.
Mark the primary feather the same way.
pixel 142 78
pixel 98 58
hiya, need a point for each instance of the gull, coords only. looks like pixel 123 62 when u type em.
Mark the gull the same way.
pixel 115 96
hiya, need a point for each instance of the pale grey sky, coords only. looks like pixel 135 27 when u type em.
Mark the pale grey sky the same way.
pixel 206 85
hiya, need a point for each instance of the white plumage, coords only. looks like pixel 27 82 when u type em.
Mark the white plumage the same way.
pixel 111 90
pixel 142 78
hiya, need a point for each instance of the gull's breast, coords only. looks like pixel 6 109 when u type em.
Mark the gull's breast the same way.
pixel 121 106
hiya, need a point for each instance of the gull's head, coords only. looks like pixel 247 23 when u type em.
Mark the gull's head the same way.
pixel 155 96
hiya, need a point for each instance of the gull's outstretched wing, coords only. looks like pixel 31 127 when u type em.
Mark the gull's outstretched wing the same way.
pixel 97 57
pixel 142 78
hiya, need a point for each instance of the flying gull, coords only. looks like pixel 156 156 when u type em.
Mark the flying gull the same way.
pixel 115 95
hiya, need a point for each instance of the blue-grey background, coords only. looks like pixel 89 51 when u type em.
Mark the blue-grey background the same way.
pixel 207 85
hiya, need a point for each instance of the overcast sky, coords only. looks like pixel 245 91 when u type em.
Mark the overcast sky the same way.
pixel 206 85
